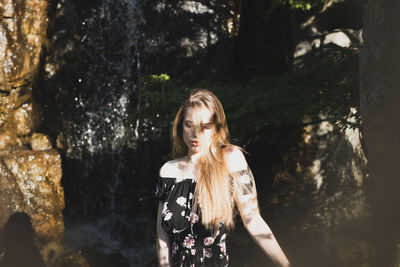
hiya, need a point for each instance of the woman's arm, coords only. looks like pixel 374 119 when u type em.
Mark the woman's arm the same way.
pixel 259 230
pixel 246 201
pixel 163 249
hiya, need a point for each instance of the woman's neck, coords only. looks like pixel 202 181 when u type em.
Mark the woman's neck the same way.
pixel 193 158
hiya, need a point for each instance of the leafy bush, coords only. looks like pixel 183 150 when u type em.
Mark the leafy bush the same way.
pixel 322 86
pixel 303 4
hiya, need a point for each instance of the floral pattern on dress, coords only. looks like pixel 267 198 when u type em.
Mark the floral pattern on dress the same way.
pixel 181 201
pixel 191 243
pixel 208 241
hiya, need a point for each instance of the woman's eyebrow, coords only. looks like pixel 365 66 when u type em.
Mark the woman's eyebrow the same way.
pixel 201 123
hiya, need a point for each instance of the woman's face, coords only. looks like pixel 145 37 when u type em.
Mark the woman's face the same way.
pixel 198 129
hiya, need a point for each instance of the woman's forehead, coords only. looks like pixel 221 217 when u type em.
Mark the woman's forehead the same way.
pixel 198 115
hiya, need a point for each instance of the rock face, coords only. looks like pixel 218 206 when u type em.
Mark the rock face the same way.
pixel 317 197
pixel 339 23
pixel 22 35
pixel 30 182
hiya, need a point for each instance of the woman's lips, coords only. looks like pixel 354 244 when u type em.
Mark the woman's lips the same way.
pixel 195 143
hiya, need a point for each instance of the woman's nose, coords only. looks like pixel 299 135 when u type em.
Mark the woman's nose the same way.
pixel 194 133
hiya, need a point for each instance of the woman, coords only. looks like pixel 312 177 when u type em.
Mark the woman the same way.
pixel 199 189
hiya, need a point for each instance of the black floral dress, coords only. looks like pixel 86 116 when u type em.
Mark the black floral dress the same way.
pixel 191 244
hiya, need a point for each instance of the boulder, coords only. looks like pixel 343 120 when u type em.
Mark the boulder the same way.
pixel 30 183
pixel 40 142
pixel 22 119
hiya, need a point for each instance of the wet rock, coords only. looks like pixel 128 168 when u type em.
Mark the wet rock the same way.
pixel 22 37
pixel 30 182
pixel 61 142
pixel 7 140
pixel 24 33
pixel 22 119
pixel 11 197
pixel 40 142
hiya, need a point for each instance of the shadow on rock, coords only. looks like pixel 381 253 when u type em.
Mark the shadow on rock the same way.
pixel 19 247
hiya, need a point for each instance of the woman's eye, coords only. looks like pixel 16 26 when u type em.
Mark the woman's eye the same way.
pixel 207 126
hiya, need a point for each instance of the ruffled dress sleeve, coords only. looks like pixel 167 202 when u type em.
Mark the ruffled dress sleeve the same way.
pixel 163 187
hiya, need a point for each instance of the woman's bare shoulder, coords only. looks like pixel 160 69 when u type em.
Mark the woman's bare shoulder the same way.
pixel 235 159
pixel 170 169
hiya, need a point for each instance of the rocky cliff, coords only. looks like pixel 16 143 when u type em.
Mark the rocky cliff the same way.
pixel 30 170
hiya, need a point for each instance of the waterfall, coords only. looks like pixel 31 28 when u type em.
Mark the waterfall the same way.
pixel 103 90
pixel 101 142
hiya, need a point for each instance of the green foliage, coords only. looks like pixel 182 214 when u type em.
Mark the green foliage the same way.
pixel 303 4
pixel 298 4
pixel 323 86
pixel 160 97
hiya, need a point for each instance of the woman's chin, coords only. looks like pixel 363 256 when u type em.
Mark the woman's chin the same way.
pixel 195 149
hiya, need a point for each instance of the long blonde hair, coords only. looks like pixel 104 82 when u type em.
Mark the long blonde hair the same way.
pixel 213 193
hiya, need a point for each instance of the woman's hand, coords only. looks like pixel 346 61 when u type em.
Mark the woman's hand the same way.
pixel 163 249
pixel 259 230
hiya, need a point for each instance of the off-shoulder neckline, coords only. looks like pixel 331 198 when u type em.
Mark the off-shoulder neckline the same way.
pixel 194 179
pixel 177 179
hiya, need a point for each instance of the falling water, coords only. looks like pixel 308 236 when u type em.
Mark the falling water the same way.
pixel 105 88
pixel 100 136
